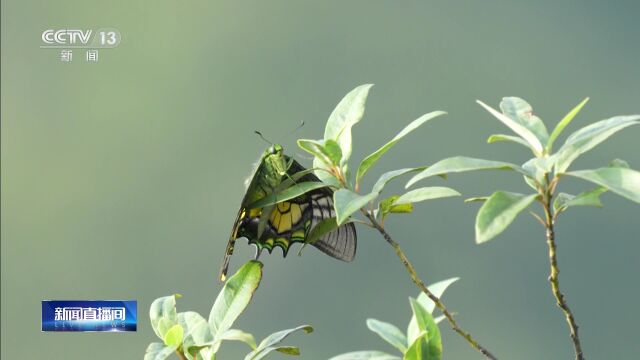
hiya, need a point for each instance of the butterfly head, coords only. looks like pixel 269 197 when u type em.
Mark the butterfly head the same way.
pixel 275 159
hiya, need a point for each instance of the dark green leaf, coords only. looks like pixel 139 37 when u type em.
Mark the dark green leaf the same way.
pixel 287 194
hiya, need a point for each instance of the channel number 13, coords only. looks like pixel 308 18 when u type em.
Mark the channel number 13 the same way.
pixel 108 38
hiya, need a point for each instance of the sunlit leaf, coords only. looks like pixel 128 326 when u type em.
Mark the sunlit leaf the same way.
pixel 622 181
pixel 346 114
pixel 563 124
pixel 508 138
pixel 520 111
pixel 433 348
pixel 163 314
pixel 389 333
pixel 461 164
pixel 590 136
pixel 234 297
pixel 425 193
pixel 587 198
pixel 365 355
pixel 158 351
pixel 498 212
pixel 347 202
pixel 436 289
pixel 370 160
pixel 317 149
pixel 415 350
pixel 196 330
pixel 271 342
pixel 173 336
pixel 388 176
pixel 521 130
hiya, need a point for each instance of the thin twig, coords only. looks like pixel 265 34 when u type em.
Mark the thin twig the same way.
pixel 439 304
pixel 553 277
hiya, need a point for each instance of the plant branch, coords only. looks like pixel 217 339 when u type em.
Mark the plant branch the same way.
pixel 414 276
pixel 553 276
pixel 181 355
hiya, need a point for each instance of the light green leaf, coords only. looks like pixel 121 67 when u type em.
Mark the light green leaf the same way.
pixel 287 194
pixel 521 130
pixel 365 355
pixel 460 164
pixel 163 314
pixel 347 202
pixel 234 297
pixel 196 331
pixel 590 136
pixel 521 112
pixel 425 193
pixel 388 176
pixel 563 124
pixel 433 348
pixel 501 137
pixel 317 149
pixel 158 351
pixel 389 333
pixel 622 181
pixel 415 351
pixel 370 160
pixel 269 343
pixel 436 289
pixel 587 198
pixel 239 335
pixel 346 114
pixel 173 336
pixel 619 163
pixel 476 199
pixel 498 212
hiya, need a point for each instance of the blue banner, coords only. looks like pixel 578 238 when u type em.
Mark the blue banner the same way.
pixel 89 315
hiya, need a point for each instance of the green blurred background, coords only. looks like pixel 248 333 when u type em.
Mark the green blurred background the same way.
pixel 121 179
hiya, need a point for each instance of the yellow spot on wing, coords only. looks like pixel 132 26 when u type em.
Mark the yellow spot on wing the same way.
pixel 296 214
pixel 284 206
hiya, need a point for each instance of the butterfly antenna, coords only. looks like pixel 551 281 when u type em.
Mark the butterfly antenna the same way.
pixel 293 131
pixel 262 137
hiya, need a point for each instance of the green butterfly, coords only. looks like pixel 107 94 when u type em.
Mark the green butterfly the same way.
pixel 280 224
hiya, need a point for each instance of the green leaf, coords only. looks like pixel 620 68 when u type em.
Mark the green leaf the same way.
pixel 173 336
pixel 317 149
pixel 498 212
pixel 433 349
pixel 389 333
pixel 622 181
pixel 158 351
pixel 239 335
pixel 269 343
pixel 370 160
pixel 346 114
pixel 521 130
pixel 619 163
pixel 521 112
pixel 196 331
pixel 460 164
pixel 415 351
pixel 347 202
pixel 365 355
pixel 563 124
pixel 425 193
pixel 501 137
pixel 234 297
pixel 590 136
pixel 287 194
pixel 436 289
pixel 163 314
pixel 587 198
pixel 388 176
pixel 476 199
pixel 289 350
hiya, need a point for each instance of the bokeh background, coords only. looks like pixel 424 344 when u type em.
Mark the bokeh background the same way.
pixel 121 179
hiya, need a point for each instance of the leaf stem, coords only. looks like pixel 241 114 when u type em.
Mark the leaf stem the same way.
pixel 414 277
pixel 554 272
pixel 181 355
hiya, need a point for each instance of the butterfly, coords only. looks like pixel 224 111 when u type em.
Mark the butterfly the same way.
pixel 284 223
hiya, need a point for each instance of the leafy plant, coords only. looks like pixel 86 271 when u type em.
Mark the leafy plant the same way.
pixel 422 340
pixel 331 165
pixel 543 173
pixel 191 337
